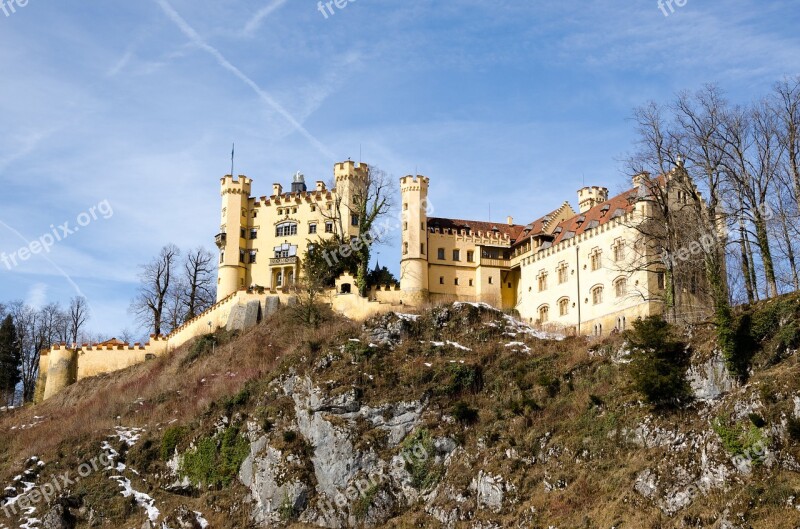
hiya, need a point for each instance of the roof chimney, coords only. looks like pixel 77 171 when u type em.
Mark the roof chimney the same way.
pixel 277 190
pixel 298 183
pixel 510 221
pixel 320 185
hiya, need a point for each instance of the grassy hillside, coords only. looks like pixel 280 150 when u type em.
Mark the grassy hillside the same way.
pixel 516 431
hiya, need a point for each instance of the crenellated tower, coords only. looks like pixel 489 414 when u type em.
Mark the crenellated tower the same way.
pixel 414 261
pixel 231 238
pixel 349 179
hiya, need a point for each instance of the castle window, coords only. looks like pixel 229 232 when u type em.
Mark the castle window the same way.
pixel 542 281
pixel 456 281
pixel 440 254
pixel 596 259
pixel 563 273
pixel 405 206
pixel 255 213
pixel 405 226
pixel 279 279
pixel 312 229
pixel 241 256
pixel 563 307
pixel 222 256
pixel 456 255
pixel 470 282
pixel 405 248
pixel 294 210
pixel 224 212
pixel 242 233
pixel 619 251
pixel 491 280
pixel 544 314
pixel 313 209
pixel 441 280
pixel 470 256
pixel 621 287
pixel 252 257
pixel 286 229
pixel 329 227
pixel 662 280
pixel 354 220
pixel 422 248
pixel 422 226
pixel 597 295
pixel 244 212
pixel 253 233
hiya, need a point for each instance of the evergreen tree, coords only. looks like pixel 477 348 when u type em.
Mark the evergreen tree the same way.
pixel 10 360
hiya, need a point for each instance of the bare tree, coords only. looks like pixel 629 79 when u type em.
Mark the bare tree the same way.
pixel 370 200
pixel 157 279
pixel 667 228
pixel 753 155
pixel 77 316
pixel 199 285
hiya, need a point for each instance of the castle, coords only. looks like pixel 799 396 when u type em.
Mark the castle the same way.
pixel 566 271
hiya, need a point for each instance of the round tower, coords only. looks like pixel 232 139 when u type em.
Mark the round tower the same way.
pixel 230 241
pixel 414 261
pixel 62 370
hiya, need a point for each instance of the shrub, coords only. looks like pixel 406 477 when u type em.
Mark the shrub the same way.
pixel 464 413
pixel 215 460
pixel 289 436
pixel 549 383
pixel 463 378
pixel 659 362
pixel 418 451
pixel 200 348
pixel 170 441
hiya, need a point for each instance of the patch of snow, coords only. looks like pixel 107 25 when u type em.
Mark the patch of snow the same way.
pixel 142 499
pixel 129 436
pixel 451 344
pixel 202 521
pixel 407 317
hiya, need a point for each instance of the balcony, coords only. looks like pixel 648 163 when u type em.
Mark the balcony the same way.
pixel 495 263
pixel 221 239
pixel 283 261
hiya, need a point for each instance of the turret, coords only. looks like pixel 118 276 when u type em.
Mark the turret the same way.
pixel 589 197
pixel 349 178
pixel 414 260
pixel 235 198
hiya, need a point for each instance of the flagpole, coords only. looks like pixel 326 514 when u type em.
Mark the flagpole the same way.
pixel 233 150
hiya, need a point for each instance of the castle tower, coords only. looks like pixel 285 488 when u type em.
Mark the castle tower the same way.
pixel 230 240
pixel 414 261
pixel 589 197
pixel 349 179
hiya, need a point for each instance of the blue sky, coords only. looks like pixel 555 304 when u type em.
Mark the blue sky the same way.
pixel 507 105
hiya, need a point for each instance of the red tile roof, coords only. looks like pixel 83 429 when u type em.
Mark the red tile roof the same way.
pixel 476 226
pixel 602 213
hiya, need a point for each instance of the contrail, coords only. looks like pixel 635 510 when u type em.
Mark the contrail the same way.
pixel 192 35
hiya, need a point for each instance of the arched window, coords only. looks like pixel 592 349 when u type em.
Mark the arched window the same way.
pixel 544 314
pixel 597 295
pixel 563 307
pixel 286 229
pixel 621 287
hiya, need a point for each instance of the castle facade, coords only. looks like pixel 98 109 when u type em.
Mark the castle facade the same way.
pixel 572 271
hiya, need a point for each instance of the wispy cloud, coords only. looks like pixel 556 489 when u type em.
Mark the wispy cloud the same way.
pixel 254 23
pixel 191 34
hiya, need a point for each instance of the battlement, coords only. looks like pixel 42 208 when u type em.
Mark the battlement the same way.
pixel 241 185
pixel 349 169
pixel 589 197
pixel 414 183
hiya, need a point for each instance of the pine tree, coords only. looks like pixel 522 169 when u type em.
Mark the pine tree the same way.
pixel 10 360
